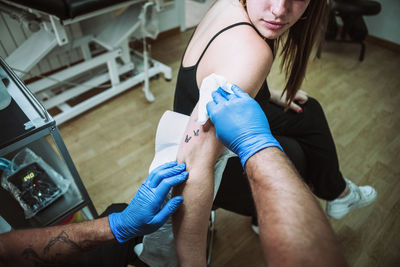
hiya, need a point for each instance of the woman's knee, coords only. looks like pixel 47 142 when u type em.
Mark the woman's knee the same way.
pixel 313 105
pixel 314 109
pixel 312 119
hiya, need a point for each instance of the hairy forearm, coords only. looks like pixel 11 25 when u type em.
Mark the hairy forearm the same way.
pixel 293 229
pixel 52 245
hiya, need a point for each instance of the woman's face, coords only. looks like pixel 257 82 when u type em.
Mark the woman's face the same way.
pixel 273 17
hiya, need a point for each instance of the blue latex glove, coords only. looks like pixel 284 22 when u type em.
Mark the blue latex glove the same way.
pixel 144 214
pixel 240 123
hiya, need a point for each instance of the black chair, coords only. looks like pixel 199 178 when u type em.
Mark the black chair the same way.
pixel 354 29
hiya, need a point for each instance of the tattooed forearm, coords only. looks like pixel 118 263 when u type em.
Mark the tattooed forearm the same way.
pixel 62 238
pixel 53 258
pixel 196 133
pixel 29 254
pixel 187 138
pixel 51 246
pixel 82 246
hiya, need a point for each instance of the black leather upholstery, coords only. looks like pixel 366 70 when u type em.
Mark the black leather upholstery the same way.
pixel 67 9
pixel 356 7
pixel 354 28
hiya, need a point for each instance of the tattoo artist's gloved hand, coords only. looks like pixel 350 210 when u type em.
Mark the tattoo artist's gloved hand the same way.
pixel 144 214
pixel 240 123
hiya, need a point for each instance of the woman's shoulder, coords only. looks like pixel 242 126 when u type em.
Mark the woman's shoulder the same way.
pixel 243 57
pixel 235 50
pixel 240 55
pixel 226 24
pixel 237 38
pixel 245 37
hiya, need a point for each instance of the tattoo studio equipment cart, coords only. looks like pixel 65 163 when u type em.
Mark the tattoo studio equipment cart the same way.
pixel 24 123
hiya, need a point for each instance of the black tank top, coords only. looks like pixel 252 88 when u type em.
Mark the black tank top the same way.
pixel 187 92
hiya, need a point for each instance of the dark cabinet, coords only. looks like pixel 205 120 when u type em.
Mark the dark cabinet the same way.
pixel 26 124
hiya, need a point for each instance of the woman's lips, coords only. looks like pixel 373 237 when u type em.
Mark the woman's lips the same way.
pixel 273 25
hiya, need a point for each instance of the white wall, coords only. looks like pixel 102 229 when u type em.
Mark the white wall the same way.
pixel 386 25
pixel 195 11
pixel 170 17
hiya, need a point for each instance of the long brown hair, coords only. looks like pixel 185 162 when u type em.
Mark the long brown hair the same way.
pixel 297 44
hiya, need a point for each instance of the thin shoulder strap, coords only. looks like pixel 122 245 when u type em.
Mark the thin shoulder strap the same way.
pixel 218 33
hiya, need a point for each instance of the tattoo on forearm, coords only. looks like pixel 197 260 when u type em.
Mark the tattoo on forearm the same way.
pixel 29 254
pixel 63 237
pixel 48 259
pixel 196 133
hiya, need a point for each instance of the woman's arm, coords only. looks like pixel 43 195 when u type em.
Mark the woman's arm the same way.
pixel 200 148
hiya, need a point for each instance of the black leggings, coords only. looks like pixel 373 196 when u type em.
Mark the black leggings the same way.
pixel 307 141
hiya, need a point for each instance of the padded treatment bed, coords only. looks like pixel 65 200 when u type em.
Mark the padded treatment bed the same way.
pixel 99 32
pixel 67 9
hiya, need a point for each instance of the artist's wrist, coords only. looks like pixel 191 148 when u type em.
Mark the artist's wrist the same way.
pixel 256 146
pixel 114 224
pixel 266 156
pixel 103 229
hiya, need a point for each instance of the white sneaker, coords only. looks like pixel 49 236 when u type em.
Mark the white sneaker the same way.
pixel 255 229
pixel 254 225
pixel 358 196
pixel 138 249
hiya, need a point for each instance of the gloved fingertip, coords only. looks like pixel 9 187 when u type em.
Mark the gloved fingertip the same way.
pixel 182 177
pixel 182 165
pixel 168 209
pixel 218 97
pixel 215 94
pixel 164 166
pixel 237 90
pixel 210 108
pixel 234 87
pixel 220 91
pixel 169 164
pixel 185 175
pixel 176 202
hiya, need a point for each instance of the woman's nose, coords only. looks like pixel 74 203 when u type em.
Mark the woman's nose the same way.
pixel 280 8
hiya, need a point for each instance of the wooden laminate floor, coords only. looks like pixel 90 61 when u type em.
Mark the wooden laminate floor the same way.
pixel 112 146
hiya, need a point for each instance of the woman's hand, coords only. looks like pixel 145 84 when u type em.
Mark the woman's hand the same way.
pixel 301 98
